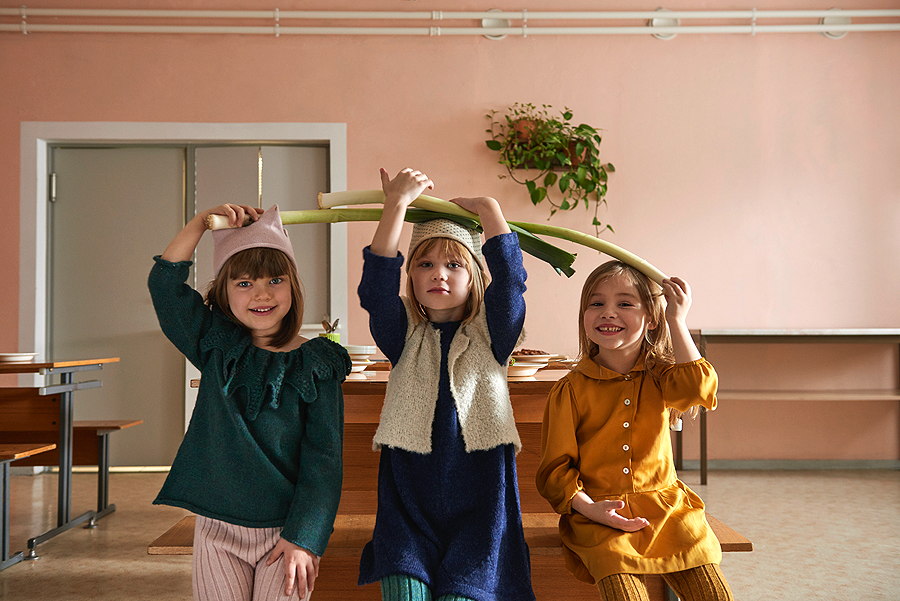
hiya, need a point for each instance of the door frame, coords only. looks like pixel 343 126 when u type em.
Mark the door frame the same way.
pixel 36 137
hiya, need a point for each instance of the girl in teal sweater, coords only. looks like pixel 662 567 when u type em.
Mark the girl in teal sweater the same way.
pixel 260 463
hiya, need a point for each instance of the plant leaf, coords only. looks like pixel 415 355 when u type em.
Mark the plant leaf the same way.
pixel 493 144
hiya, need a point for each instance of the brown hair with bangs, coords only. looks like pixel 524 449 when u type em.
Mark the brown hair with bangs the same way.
pixel 656 347
pixel 457 251
pixel 255 263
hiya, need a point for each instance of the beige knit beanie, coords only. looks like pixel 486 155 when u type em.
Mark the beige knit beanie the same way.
pixel 444 228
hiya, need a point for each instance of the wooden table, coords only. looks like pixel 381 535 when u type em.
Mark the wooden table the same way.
pixel 65 388
pixel 528 396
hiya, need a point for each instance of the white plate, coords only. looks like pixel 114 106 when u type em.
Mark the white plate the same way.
pixel 16 357
pixel 359 357
pixel 521 368
pixel 533 358
pixel 354 349
pixel 358 366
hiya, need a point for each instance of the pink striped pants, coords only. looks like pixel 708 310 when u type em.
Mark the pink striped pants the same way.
pixel 230 563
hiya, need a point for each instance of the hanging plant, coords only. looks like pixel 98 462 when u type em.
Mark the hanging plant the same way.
pixel 555 159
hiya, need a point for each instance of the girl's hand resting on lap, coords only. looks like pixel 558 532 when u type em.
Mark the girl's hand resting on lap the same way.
pixel 607 513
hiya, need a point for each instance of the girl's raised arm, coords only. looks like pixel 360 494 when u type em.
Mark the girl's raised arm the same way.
pixel 488 211
pixel 182 246
pixel 678 303
pixel 398 195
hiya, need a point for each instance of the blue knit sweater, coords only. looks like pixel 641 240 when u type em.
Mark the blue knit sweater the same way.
pixel 449 518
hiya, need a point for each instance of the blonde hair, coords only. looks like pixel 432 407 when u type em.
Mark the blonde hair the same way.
pixel 254 263
pixel 458 252
pixel 656 347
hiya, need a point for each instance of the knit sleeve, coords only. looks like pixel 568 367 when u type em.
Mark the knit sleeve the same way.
pixel 310 519
pixel 558 479
pixel 685 385
pixel 182 314
pixel 379 295
pixel 504 302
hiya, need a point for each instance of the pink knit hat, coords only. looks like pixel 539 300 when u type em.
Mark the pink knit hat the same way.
pixel 266 232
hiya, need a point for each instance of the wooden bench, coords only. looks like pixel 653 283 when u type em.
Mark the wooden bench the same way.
pixel 339 570
pixel 26 416
pixel 8 454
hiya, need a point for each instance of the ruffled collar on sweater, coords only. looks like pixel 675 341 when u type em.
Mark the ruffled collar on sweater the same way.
pixel 265 374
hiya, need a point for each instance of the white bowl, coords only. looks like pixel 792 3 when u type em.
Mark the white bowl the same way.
pixel 358 366
pixel 356 349
pixel 520 368
pixel 359 356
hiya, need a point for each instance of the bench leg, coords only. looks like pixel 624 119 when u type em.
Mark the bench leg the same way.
pixel 103 506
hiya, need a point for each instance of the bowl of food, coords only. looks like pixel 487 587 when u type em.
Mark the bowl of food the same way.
pixel 532 356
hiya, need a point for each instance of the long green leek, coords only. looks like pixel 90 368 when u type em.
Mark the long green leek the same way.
pixel 333 210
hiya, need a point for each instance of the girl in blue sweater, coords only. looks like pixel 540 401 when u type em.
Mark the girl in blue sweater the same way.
pixel 449 525
pixel 260 463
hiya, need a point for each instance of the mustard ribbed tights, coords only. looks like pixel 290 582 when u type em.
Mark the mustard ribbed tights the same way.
pixel 704 583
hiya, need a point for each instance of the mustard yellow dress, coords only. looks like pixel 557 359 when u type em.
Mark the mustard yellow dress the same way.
pixel 607 434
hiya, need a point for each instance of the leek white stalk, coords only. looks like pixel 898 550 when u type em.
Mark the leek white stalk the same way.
pixel 220 222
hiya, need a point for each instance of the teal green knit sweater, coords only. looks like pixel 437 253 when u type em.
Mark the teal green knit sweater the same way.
pixel 263 448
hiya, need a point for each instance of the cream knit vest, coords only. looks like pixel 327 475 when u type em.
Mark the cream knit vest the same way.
pixel 477 382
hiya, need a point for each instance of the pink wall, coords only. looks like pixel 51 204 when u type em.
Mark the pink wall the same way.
pixel 762 169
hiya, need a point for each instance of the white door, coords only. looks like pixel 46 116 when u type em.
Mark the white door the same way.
pixel 117 207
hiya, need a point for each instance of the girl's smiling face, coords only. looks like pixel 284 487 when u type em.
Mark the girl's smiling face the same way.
pixel 441 284
pixel 260 304
pixel 616 320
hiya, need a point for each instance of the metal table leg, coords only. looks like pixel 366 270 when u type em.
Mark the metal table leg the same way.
pixel 66 418
pixel 5 559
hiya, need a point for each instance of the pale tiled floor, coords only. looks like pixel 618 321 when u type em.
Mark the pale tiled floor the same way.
pixel 830 535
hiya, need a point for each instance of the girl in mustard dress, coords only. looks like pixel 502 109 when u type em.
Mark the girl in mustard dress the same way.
pixel 606 459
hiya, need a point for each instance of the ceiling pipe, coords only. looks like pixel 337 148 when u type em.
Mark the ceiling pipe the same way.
pixel 833 23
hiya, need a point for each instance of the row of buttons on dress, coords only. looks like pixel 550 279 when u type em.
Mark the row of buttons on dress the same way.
pixel 625 447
